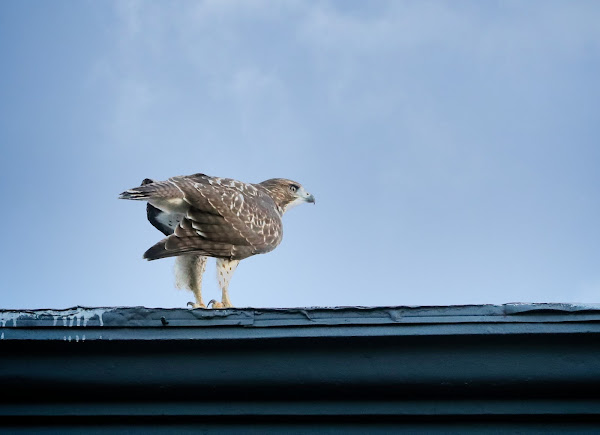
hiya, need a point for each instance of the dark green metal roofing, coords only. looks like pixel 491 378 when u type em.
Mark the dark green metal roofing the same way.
pixel 140 323
pixel 447 369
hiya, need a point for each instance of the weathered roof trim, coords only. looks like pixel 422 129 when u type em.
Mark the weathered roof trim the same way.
pixel 140 323
pixel 513 360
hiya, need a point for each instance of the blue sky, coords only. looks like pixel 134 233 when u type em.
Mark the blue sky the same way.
pixel 453 147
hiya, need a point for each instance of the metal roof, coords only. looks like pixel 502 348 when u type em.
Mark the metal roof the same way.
pixel 141 323
pixel 450 366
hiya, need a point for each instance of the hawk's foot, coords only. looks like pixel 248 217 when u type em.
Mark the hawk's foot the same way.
pixel 219 305
pixel 195 305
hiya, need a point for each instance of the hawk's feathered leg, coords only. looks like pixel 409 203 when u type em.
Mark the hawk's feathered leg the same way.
pixel 225 269
pixel 188 275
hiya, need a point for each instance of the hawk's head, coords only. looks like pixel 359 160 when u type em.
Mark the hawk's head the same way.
pixel 287 193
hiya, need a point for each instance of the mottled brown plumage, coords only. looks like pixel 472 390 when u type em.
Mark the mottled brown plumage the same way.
pixel 217 217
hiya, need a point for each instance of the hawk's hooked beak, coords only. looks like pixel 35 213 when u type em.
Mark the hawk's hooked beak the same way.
pixel 309 198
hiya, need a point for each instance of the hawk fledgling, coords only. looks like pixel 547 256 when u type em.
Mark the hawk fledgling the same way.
pixel 205 216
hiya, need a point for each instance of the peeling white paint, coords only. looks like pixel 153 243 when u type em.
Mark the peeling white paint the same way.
pixel 7 316
pixel 76 316
pixel 588 306
pixel 79 316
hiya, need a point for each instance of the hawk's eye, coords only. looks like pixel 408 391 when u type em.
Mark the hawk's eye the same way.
pixel 293 188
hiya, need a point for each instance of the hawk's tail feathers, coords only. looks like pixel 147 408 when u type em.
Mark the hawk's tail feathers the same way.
pixel 143 192
pixel 149 189
pixel 134 194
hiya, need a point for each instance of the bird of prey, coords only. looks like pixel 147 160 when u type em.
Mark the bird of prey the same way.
pixel 204 216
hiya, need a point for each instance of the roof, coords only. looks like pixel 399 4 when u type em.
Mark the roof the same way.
pixel 114 323
pixel 386 363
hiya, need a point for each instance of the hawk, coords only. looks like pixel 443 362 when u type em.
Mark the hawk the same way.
pixel 204 216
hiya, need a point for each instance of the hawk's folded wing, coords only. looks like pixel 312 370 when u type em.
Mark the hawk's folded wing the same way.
pixel 225 218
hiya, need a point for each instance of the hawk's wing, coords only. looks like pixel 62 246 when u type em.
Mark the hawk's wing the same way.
pixel 163 222
pixel 226 218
